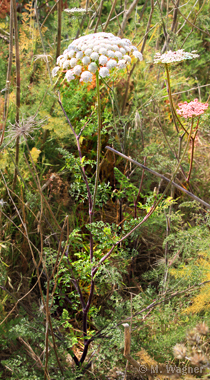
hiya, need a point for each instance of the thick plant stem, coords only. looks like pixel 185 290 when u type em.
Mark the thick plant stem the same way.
pixel 173 111
pixel 85 306
pixel 192 152
pixel 191 159
pixel 99 140
pixel 192 149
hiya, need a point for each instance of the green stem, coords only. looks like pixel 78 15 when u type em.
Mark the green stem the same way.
pixel 192 154
pixel 173 111
pixel 99 140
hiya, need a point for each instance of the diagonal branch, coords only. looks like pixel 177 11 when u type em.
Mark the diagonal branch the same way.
pixel 191 195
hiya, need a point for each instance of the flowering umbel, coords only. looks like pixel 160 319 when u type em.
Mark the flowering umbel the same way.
pixel 194 108
pixel 174 56
pixel 99 51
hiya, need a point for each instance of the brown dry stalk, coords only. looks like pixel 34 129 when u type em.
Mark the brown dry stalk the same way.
pixel 6 100
pixel 126 17
pixel 17 61
pixel 58 51
pixel 110 14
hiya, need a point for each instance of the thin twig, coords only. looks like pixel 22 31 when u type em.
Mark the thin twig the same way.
pixel 207 205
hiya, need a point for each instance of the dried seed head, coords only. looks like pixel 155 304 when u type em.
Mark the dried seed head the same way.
pixel 179 351
pixel 202 328
pixel 193 337
pixel 24 128
pixel 198 359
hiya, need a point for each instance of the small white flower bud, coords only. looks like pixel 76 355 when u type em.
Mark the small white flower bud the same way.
pixel 85 60
pixel 94 56
pixel 111 63
pixel 79 55
pixel 126 41
pixel 108 46
pixel 127 58
pixel 127 48
pixel 102 51
pixel 59 60
pixel 118 54
pixel 73 62
pixel 138 55
pixel 55 70
pixel 88 52
pixel 92 67
pixel 96 48
pixel 69 75
pixel 70 53
pixel 86 76
pixel 111 54
pixel 103 60
pixel 116 48
pixel 122 50
pixel 66 64
pixel 77 70
pixel 122 64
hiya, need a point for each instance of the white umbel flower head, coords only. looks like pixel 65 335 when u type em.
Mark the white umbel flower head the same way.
pixel 86 76
pixel 174 56
pixel 98 51
pixel 75 11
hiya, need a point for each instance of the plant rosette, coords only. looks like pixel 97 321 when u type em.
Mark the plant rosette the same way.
pixel 98 52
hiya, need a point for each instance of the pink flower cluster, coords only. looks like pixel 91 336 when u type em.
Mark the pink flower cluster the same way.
pixel 194 108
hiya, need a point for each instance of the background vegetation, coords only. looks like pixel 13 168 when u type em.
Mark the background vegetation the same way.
pixel 157 279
